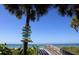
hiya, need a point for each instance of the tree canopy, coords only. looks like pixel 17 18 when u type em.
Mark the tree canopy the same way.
pixel 34 11
pixel 70 10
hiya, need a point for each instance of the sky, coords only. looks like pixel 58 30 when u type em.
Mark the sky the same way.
pixel 51 28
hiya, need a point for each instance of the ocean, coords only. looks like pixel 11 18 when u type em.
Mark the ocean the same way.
pixel 41 45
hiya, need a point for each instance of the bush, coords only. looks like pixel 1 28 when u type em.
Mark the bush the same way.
pixel 4 50
pixel 32 50
pixel 7 51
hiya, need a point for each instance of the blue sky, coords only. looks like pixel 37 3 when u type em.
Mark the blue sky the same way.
pixel 51 28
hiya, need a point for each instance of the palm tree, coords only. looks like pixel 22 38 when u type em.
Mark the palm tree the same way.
pixel 31 12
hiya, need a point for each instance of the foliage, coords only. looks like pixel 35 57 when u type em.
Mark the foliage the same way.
pixel 31 51
pixel 69 10
pixel 4 50
pixel 34 11
pixel 73 50
pixel 75 23
pixel 16 51
pixel 36 48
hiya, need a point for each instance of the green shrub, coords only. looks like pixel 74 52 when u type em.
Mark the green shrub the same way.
pixel 7 51
pixel 4 50
pixel 31 51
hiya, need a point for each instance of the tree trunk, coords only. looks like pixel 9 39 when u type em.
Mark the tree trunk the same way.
pixel 25 47
pixel 27 25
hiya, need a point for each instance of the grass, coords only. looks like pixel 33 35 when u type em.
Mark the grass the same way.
pixel 74 50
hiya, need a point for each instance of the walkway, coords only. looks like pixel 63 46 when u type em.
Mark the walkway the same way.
pixel 49 50
pixel 42 52
pixel 53 50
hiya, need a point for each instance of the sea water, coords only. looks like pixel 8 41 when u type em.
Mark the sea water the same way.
pixel 21 45
pixel 40 45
